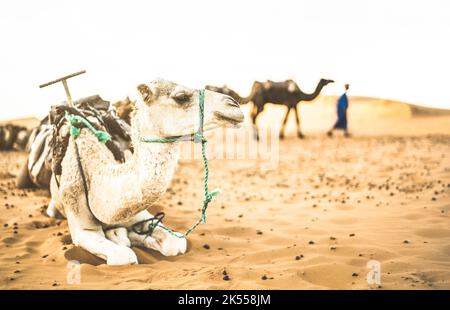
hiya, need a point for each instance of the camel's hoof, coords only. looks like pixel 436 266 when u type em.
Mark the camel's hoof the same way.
pixel 122 256
pixel 281 136
pixel 53 212
pixel 300 135
pixel 329 134
pixel 169 246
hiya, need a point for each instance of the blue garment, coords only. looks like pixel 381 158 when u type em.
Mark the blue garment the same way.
pixel 342 106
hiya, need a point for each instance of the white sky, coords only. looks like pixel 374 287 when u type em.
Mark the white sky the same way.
pixel 384 48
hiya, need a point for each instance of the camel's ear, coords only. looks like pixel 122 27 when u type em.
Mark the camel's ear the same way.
pixel 145 92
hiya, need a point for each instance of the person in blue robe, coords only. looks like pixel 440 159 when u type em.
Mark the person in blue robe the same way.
pixel 342 106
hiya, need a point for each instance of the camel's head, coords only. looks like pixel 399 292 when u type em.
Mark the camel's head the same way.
pixel 170 110
pixel 326 81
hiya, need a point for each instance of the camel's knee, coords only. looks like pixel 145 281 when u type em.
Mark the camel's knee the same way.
pixel 161 241
pixel 172 246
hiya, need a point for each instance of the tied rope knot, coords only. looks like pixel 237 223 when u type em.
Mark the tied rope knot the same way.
pixel 75 131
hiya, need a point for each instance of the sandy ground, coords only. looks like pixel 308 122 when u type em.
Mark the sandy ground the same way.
pixel 312 222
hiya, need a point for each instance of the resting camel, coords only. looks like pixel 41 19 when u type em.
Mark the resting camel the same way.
pixel 119 194
pixel 124 109
pixel 285 93
pixel 13 137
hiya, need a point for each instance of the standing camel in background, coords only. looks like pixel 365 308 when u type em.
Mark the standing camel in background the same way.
pixel 285 93
pixel 227 91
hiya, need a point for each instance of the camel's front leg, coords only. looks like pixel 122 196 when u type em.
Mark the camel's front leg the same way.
pixel 118 235
pixel 90 237
pixel 160 240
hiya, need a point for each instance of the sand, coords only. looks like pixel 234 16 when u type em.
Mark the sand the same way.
pixel 315 221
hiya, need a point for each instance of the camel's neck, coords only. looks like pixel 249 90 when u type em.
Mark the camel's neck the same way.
pixel 153 166
pixel 245 100
pixel 313 95
pixel 134 186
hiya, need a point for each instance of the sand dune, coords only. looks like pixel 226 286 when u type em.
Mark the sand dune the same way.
pixel 315 221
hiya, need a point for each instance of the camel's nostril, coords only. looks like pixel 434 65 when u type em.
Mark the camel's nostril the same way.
pixel 231 102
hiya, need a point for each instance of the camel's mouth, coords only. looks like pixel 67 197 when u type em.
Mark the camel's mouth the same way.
pixel 234 120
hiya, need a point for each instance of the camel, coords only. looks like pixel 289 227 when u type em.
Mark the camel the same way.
pixel 285 93
pixel 13 137
pixel 102 221
pixel 124 109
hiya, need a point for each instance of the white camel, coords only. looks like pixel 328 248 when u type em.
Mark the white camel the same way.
pixel 119 194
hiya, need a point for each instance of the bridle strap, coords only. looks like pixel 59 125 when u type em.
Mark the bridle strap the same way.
pixel 196 138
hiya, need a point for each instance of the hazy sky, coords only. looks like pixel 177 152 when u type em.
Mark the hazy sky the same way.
pixel 384 48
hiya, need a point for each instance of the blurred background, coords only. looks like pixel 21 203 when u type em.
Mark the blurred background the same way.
pixel 385 49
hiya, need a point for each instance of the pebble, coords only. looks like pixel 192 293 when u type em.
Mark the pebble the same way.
pixel 206 246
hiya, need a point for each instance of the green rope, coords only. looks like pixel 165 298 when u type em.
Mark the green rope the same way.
pixel 73 120
pixel 196 138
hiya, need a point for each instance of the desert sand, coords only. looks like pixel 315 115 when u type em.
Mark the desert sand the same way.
pixel 313 221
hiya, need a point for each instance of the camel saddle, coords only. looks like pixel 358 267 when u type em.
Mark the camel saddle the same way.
pixel 48 142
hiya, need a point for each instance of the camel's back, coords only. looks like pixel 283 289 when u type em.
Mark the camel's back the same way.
pixel 280 93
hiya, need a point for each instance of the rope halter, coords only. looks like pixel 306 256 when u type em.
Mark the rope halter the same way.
pixel 196 138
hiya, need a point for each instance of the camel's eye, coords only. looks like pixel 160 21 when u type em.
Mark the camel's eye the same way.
pixel 182 97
